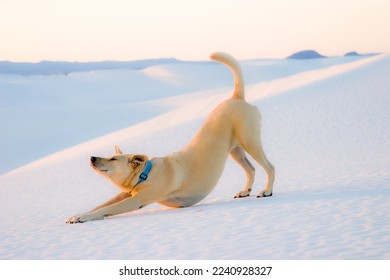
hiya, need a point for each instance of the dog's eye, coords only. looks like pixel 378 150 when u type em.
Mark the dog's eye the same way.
pixel 112 159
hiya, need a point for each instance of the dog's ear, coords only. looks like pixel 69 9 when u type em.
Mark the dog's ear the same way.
pixel 136 160
pixel 118 151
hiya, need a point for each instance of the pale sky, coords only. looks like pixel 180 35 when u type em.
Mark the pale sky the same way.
pixel 94 30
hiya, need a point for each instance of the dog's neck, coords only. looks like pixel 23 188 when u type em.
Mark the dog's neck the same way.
pixel 130 183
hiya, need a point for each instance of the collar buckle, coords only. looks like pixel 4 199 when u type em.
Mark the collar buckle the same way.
pixel 143 176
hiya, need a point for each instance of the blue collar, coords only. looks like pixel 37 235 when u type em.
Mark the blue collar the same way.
pixel 144 175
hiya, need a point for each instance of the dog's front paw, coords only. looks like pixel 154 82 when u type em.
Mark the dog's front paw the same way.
pixel 264 194
pixel 82 218
pixel 73 220
pixel 242 194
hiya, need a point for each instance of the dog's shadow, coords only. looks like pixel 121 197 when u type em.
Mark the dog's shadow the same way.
pixel 208 205
pixel 276 200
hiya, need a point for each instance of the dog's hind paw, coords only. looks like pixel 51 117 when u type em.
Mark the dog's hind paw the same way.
pixel 242 194
pixel 264 194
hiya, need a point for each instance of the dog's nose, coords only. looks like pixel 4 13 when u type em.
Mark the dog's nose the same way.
pixel 93 159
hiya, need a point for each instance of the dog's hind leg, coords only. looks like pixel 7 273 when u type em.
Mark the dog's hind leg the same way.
pixel 238 154
pixel 256 151
pixel 253 147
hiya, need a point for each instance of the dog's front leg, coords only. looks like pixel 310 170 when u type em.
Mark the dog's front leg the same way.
pixel 138 200
pixel 121 196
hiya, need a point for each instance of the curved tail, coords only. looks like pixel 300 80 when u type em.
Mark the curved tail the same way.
pixel 231 62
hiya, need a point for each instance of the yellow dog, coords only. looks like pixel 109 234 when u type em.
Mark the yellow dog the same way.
pixel 185 177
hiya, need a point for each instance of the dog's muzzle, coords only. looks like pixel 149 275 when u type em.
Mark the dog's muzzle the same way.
pixel 94 161
pixel 97 165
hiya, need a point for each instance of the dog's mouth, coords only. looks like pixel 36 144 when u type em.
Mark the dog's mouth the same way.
pixel 102 170
pixel 99 169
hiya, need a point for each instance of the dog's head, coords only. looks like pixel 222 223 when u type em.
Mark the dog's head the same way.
pixel 120 167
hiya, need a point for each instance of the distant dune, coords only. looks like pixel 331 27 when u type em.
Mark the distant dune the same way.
pixel 352 54
pixel 62 67
pixel 308 54
pixel 311 54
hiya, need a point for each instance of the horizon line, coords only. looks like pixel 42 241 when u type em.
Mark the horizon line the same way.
pixel 182 60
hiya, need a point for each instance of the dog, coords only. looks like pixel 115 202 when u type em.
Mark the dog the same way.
pixel 184 178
